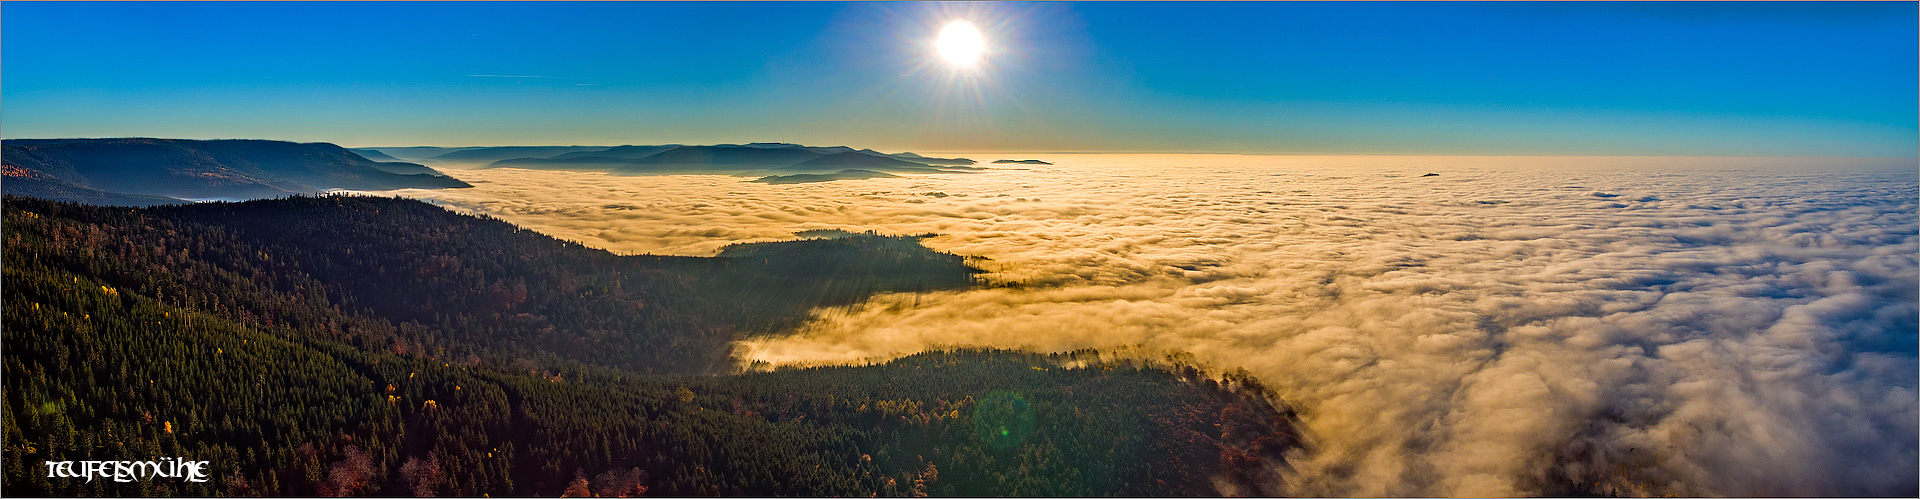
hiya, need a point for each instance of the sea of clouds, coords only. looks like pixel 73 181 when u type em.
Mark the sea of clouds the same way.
pixel 1644 327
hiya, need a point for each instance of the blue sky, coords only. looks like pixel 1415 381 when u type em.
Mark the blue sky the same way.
pixel 1799 79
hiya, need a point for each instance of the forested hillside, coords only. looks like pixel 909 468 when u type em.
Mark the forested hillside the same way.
pixel 406 276
pixel 369 346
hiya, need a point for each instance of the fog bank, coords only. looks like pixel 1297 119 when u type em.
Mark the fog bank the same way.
pixel 1653 326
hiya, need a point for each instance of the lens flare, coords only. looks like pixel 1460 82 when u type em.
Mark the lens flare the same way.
pixel 1002 419
pixel 961 44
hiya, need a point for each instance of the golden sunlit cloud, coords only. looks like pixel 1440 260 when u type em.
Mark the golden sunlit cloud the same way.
pixel 1453 335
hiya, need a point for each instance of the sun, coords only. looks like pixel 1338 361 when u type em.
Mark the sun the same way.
pixel 961 44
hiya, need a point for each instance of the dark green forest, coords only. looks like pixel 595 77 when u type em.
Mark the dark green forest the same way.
pixel 355 346
pixel 409 277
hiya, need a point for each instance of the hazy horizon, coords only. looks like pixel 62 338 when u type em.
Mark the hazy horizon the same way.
pixel 1890 161
pixel 1554 78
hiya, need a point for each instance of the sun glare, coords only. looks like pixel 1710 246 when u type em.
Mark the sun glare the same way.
pixel 961 44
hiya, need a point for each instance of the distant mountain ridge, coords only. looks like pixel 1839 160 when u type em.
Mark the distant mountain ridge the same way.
pixel 145 171
pixel 414 153
pixel 621 152
pixel 376 155
pixel 492 154
pixel 757 157
pixel 721 157
pixel 862 161
pixel 805 178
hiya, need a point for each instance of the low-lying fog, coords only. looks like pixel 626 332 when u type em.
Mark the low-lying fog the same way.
pixel 1657 326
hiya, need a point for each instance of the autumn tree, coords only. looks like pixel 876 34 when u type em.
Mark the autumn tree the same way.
pixel 423 475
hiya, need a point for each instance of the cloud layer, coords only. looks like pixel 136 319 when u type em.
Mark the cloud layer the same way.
pixel 1656 326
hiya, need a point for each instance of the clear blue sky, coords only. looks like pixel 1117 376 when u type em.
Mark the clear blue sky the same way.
pixel 1814 79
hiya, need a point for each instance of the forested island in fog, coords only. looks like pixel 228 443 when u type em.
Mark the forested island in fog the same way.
pixel 375 346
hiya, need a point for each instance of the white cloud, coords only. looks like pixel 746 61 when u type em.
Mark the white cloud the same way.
pixel 1696 331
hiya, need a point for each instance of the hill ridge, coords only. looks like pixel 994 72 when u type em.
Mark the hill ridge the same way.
pixel 202 169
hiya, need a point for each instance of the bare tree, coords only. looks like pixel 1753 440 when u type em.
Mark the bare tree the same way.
pixel 423 475
pixel 617 483
pixel 351 473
